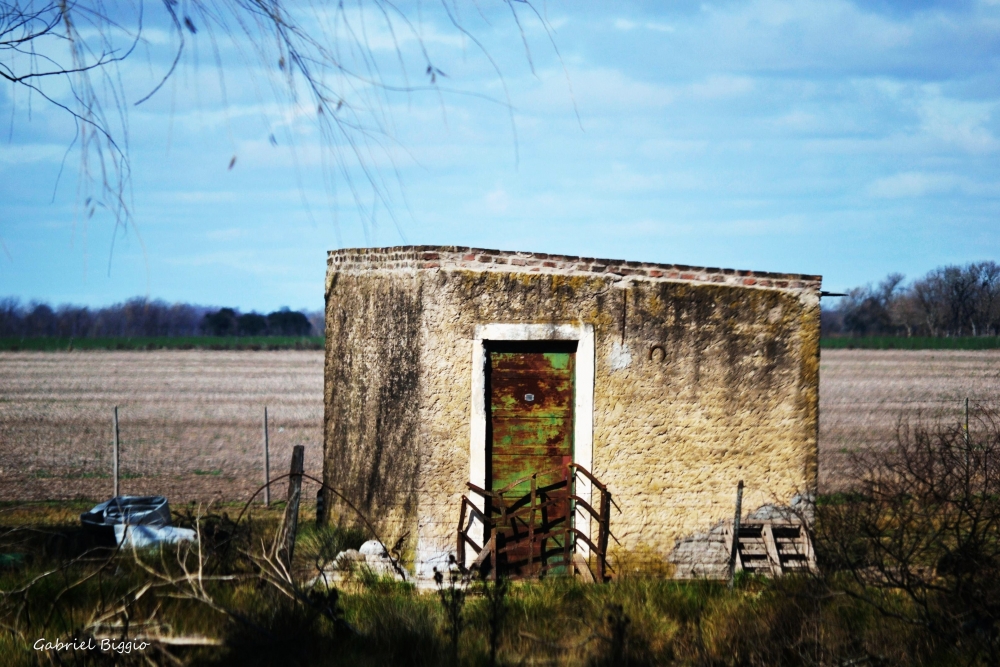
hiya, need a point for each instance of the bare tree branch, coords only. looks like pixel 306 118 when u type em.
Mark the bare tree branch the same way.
pixel 71 54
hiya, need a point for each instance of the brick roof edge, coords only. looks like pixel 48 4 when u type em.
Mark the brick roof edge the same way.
pixel 460 257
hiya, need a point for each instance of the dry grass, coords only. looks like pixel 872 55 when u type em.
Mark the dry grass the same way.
pixel 191 420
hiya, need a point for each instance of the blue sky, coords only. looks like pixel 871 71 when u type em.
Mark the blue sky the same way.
pixel 845 139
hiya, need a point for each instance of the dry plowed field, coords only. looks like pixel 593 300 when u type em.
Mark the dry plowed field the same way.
pixel 865 393
pixel 190 421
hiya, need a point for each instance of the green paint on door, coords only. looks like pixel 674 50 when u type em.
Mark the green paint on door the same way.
pixel 531 396
pixel 531 411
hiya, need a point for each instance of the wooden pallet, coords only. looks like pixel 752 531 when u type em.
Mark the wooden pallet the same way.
pixel 772 548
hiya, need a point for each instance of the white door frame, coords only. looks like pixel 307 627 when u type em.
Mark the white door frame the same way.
pixel 583 408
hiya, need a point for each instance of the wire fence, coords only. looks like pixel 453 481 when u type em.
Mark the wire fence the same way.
pixel 207 458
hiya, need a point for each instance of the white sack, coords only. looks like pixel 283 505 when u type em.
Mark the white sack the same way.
pixel 139 537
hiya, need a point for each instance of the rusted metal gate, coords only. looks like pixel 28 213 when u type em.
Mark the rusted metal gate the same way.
pixel 534 534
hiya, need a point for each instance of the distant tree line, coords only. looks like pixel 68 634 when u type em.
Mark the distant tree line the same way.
pixel 948 301
pixel 149 318
pixel 229 322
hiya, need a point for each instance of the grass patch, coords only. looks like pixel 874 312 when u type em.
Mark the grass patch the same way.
pixel 213 473
pixel 163 343
pixel 88 475
pixel 558 621
pixel 910 343
pixel 838 498
pixel 45 513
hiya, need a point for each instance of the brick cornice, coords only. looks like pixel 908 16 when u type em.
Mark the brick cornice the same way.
pixel 353 260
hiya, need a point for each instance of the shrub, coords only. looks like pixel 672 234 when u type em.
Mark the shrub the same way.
pixel 919 538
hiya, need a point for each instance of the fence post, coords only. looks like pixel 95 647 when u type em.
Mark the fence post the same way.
pixel 114 454
pixel 267 465
pixel 736 533
pixel 291 520
pixel 966 423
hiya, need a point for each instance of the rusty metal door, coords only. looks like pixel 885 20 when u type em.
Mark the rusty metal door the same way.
pixel 531 391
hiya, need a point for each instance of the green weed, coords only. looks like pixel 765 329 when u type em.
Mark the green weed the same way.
pixel 163 343
pixel 910 343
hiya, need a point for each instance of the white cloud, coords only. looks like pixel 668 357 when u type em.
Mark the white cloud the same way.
pixel 720 86
pixel 797 120
pixel 663 227
pixel 626 25
pixel 20 154
pixel 206 197
pixel 659 27
pixel 958 122
pixel 229 234
pixel 914 184
pixel 497 200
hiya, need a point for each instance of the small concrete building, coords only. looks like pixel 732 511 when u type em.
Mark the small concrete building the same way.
pixel 669 383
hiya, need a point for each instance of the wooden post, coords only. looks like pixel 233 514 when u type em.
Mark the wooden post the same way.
pixel 321 507
pixel 736 533
pixel 494 536
pixel 114 455
pixel 771 547
pixel 291 520
pixel 568 525
pixel 267 465
pixel 602 536
pixel 460 547
pixel 531 527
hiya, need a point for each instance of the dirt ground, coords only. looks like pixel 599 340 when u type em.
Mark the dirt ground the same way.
pixel 191 420
pixel 865 393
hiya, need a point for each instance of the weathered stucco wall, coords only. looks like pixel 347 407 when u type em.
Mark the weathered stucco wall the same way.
pixel 372 391
pixel 703 377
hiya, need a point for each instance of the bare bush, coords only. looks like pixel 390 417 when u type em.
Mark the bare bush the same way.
pixel 918 536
